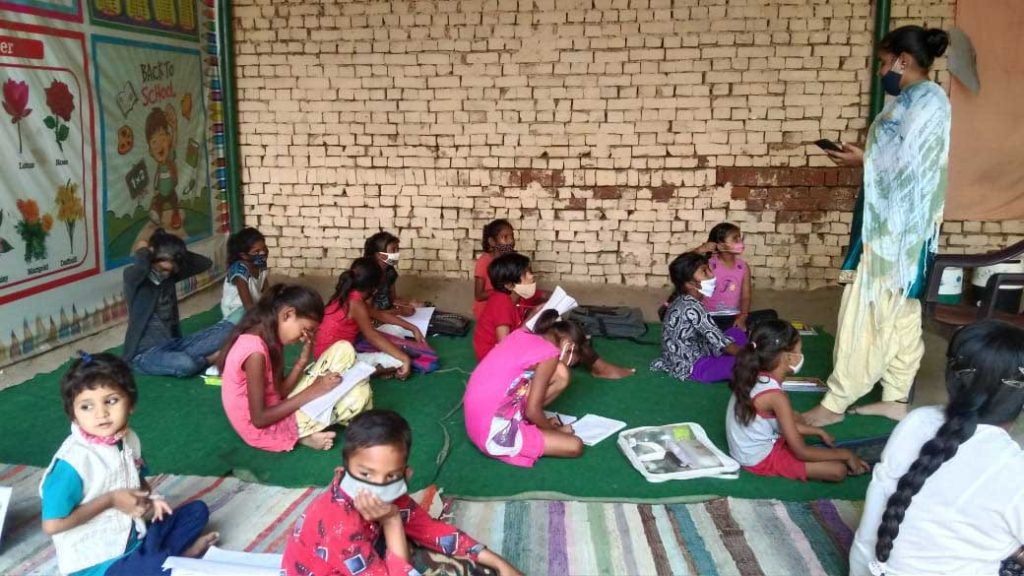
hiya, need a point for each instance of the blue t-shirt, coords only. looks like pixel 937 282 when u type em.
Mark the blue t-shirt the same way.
pixel 62 493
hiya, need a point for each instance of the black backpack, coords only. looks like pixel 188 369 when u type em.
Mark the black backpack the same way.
pixel 447 324
pixel 609 321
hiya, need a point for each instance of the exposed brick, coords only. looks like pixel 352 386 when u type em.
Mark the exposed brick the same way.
pixel 609 131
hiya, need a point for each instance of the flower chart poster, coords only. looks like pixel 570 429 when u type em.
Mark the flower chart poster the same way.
pixel 48 208
pixel 153 136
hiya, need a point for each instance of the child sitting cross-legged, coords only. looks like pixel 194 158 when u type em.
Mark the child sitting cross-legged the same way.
pixel 348 316
pixel 96 504
pixel 264 405
pixel 367 504
pixel 765 436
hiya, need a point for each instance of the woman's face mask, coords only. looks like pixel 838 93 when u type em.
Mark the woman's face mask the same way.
pixel 891 79
pixel 386 493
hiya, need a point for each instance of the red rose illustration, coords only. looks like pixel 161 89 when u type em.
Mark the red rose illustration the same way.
pixel 61 103
pixel 15 103
pixel 60 100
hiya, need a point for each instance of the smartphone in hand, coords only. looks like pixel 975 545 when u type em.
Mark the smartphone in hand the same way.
pixel 828 145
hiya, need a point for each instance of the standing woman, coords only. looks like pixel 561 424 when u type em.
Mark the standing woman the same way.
pixel 905 161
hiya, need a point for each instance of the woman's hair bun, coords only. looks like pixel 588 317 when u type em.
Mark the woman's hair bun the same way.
pixel 937 41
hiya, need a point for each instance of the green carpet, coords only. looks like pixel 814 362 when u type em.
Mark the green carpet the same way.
pixel 184 430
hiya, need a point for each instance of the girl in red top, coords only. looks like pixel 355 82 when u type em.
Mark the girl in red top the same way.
pixel 348 315
pixel 510 304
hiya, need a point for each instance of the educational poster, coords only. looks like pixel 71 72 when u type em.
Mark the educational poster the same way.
pixel 61 9
pixel 48 209
pixel 175 18
pixel 156 173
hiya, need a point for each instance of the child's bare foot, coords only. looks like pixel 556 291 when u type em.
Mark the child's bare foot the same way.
pixel 609 371
pixel 821 416
pixel 201 545
pixel 319 440
pixel 892 410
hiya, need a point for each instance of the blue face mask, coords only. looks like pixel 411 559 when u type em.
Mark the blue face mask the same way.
pixel 259 260
pixel 891 79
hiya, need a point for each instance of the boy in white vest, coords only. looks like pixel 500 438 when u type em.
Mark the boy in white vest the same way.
pixel 97 505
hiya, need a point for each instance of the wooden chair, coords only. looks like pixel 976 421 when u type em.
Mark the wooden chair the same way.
pixel 951 316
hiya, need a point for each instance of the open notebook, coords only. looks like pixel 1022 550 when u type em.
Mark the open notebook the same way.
pixel 591 429
pixel 219 562
pixel 559 302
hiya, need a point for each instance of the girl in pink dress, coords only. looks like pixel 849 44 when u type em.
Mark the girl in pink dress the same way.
pixel 259 399
pixel 507 393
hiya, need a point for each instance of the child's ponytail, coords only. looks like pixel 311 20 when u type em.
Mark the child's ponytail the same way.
pixel 261 320
pixel 985 380
pixel 768 341
pixel 364 275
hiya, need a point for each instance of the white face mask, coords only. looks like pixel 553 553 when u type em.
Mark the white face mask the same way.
pixel 707 287
pixel 799 365
pixel 390 258
pixel 567 351
pixel 387 493
pixel 525 291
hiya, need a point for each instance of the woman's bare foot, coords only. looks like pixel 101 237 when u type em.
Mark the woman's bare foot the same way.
pixel 821 416
pixel 893 410
pixel 201 545
pixel 319 440
pixel 609 371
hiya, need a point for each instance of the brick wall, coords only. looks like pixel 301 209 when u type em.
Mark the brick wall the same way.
pixel 614 133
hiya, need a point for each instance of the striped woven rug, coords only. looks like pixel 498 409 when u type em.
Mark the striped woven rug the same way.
pixel 542 537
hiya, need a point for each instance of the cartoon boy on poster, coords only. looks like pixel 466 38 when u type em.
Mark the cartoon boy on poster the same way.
pixel 161 133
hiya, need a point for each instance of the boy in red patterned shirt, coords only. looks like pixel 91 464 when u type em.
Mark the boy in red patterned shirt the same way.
pixel 367 500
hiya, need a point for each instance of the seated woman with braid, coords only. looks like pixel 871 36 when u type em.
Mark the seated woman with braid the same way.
pixel 947 496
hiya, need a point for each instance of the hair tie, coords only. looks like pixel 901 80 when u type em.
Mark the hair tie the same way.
pixel 85 357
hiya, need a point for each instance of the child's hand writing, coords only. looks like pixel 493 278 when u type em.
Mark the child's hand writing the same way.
pixel 418 335
pixel 326 383
pixel 404 370
pixel 372 508
pixel 135 503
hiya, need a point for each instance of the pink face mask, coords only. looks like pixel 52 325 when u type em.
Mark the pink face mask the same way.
pixel 736 248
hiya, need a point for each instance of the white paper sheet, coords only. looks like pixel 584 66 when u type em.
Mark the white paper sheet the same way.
pixel 421 318
pixel 320 408
pixel 5 501
pixel 593 429
pixel 218 562
pixel 565 418
pixel 559 301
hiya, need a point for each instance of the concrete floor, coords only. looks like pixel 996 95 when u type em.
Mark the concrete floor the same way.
pixel 818 307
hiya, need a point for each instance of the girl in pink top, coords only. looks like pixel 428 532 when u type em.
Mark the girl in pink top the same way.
pixel 729 304
pixel 507 393
pixel 258 398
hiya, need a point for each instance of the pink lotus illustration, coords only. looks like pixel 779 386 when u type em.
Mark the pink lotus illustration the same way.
pixel 16 103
